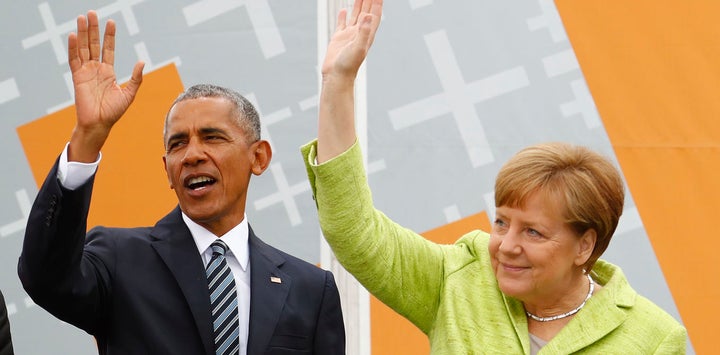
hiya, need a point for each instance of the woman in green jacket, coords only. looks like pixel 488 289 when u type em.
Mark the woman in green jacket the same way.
pixel 533 285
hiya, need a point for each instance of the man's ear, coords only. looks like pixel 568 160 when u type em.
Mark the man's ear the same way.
pixel 166 173
pixel 262 154
pixel 586 246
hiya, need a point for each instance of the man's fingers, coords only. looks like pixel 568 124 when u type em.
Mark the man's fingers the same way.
pixel 133 85
pixel 73 57
pixel 108 48
pixel 82 39
pixel 93 35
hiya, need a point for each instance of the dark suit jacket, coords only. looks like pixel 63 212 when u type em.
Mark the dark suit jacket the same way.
pixel 144 290
pixel 6 347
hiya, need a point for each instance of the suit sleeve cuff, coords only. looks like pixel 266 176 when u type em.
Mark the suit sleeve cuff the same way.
pixel 72 174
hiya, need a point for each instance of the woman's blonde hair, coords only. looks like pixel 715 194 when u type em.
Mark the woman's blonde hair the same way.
pixel 585 183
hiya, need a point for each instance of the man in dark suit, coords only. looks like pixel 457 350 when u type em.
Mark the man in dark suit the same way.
pixel 6 347
pixel 145 290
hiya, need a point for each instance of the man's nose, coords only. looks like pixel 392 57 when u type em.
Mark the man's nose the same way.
pixel 194 153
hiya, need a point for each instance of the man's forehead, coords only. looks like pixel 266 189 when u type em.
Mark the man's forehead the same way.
pixel 200 115
pixel 199 118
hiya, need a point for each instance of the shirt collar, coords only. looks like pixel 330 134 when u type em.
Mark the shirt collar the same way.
pixel 236 239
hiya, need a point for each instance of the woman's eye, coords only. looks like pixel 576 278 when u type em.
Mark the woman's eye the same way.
pixel 500 226
pixel 534 233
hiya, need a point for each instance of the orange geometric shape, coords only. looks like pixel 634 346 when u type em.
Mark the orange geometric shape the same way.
pixel 652 68
pixel 129 185
pixel 391 333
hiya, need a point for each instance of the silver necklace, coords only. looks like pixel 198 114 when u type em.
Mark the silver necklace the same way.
pixel 566 314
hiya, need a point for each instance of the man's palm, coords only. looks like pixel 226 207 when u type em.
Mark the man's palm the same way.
pixel 98 98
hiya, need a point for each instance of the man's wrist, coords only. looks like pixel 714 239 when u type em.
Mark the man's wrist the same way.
pixel 72 174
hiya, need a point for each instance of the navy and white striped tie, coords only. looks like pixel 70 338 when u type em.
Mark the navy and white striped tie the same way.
pixel 223 301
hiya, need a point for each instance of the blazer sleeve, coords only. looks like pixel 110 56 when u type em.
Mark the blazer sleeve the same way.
pixel 53 268
pixel 330 334
pixel 398 266
pixel 6 347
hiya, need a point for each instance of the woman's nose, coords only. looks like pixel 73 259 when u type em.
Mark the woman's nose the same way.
pixel 510 242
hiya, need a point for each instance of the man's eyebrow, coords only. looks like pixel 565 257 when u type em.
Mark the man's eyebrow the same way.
pixel 209 130
pixel 203 131
pixel 176 136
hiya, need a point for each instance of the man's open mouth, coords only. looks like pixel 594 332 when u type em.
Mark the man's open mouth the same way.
pixel 199 182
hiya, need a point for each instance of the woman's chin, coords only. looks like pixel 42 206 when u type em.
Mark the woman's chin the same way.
pixel 512 288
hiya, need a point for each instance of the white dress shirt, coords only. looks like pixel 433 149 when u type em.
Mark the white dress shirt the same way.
pixel 73 174
pixel 238 259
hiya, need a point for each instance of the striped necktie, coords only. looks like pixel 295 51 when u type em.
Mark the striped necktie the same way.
pixel 223 301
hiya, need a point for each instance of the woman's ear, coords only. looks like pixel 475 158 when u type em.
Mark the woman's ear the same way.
pixel 586 246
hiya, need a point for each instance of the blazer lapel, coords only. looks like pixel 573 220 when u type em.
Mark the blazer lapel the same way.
pixel 604 311
pixel 269 288
pixel 597 319
pixel 517 316
pixel 177 249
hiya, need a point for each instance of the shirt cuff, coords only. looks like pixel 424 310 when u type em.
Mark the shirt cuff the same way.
pixel 73 174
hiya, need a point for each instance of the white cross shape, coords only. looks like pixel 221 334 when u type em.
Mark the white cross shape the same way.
pixel 560 63
pixel 459 98
pixel 286 194
pixel 309 103
pixel 125 8
pixel 269 119
pixel 144 55
pixel 452 213
pixel 416 4
pixel 260 14
pixel 584 105
pixel 24 203
pixel 489 199
pixel 55 33
pixel 8 90
pixel 549 19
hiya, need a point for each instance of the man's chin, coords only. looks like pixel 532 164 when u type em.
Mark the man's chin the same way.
pixel 198 214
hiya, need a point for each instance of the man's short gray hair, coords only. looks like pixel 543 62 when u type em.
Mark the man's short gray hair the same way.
pixel 245 113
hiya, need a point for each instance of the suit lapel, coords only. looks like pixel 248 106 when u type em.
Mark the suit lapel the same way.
pixel 269 288
pixel 177 249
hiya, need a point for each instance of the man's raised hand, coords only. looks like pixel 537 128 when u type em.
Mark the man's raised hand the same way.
pixel 100 101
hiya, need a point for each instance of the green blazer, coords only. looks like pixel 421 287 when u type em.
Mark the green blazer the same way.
pixel 450 292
